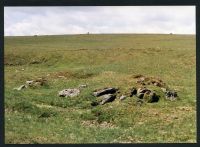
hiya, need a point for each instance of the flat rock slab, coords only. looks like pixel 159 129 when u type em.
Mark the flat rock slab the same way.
pixel 105 91
pixel 69 92
pixel 108 98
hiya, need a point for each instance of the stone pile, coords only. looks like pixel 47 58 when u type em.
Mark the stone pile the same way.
pixel 32 83
pixel 143 80
pixel 109 94
pixel 141 91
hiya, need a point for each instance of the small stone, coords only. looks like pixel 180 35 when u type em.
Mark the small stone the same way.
pixel 163 89
pixel 83 86
pixel 171 95
pixel 38 84
pixel 61 76
pixel 142 79
pixel 122 97
pixel 156 84
pixel 29 82
pixel 20 88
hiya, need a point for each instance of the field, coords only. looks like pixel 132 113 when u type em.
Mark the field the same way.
pixel 39 115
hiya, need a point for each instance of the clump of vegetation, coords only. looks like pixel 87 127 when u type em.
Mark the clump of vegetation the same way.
pixel 47 113
pixel 26 107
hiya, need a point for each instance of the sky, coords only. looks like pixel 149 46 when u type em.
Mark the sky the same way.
pixel 26 21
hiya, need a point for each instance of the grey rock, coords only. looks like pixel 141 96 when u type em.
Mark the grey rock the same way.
pixel 69 92
pixel 105 91
pixel 156 84
pixel 29 82
pixel 108 98
pixel 141 91
pixel 171 95
pixel 151 97
pixel 140 80
pixel 122 97
pixel 38 84
pixel 140 95
pixel 163 89
pixel 133 92
pixel 83 86
pixel 20 87
pixel 61 76
pixel 147 95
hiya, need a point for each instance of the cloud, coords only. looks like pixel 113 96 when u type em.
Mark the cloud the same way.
pixel 99 19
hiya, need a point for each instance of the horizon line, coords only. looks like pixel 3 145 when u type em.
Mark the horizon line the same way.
pixel 98 34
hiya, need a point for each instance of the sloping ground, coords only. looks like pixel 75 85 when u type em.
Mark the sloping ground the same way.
pixel 38 115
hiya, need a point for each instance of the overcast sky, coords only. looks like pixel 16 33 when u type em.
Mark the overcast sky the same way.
pixel 24 21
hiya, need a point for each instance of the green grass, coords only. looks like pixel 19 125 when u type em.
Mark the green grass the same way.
pixel 38 115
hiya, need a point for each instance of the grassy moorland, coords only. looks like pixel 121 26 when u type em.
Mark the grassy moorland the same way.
pixel 38 115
